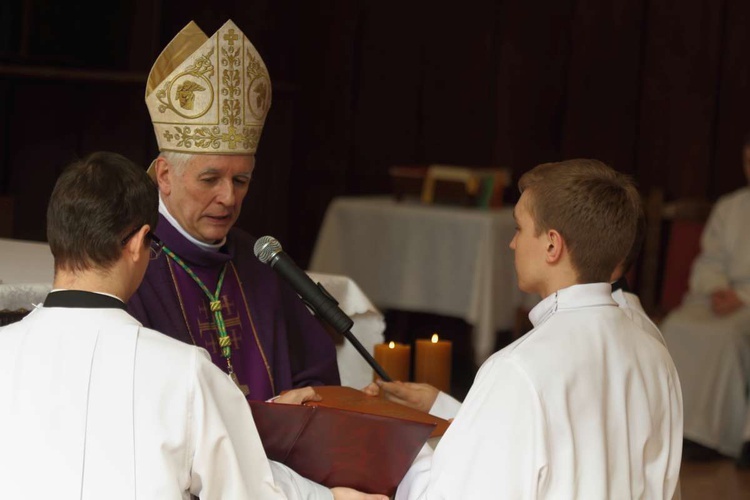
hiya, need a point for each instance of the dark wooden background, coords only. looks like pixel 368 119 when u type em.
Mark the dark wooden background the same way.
pixel 657 88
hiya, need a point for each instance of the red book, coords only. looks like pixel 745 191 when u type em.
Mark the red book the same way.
pixel 347 439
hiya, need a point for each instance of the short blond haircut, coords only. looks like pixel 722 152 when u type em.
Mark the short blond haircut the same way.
pixel 593 207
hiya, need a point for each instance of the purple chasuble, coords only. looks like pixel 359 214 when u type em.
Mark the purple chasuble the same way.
pixel 276 343
pixel 248 359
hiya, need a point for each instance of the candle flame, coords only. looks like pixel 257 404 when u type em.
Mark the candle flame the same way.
pixel 435 338
pixel 391 345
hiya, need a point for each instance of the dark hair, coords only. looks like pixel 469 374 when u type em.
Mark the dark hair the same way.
pixel 96 202
pixel 593 207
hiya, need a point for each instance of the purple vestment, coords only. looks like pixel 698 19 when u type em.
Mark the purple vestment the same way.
pixel 276 343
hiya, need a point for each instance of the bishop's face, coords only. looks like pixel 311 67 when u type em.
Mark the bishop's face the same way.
pixel 529 247
pixel 205 196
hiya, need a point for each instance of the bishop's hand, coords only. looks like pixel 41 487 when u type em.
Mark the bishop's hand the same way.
pixel 298 396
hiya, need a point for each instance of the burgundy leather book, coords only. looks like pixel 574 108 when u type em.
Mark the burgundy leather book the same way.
pixel 348 439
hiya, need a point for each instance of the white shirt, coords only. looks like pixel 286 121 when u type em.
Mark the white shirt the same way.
pixel 631 306
pixel 724 261
pixel 446 406
pixel 586 405
pixel 93 405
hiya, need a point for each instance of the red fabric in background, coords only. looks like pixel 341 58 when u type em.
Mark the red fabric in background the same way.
pixel 682 248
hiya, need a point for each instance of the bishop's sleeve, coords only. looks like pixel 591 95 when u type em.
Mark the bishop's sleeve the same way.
pixel 312 353
pixel 709 271
pixel 138 311
pixel 228 460
pixel 495 448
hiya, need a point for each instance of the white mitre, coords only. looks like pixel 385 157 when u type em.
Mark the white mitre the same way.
pixel 209 95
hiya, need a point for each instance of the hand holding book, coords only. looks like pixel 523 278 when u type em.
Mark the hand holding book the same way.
pixel 346 439
pixel 412 394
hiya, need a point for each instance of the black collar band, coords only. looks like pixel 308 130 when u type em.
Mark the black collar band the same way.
pixel 79 298
pixel 621 284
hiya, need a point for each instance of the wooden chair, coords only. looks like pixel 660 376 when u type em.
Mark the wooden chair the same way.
pixel 449 184
pixel 407 180
pixel 480 187
pixel 672 242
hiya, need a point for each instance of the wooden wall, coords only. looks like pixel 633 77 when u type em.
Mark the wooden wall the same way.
pixel 657 88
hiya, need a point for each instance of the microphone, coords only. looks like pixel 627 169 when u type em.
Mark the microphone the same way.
pixel 268 250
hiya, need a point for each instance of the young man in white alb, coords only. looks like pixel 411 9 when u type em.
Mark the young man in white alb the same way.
pixel 587 404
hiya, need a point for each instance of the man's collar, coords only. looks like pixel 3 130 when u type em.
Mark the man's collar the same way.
pixel 209 247
pixel 83 299
pixel 586 295
pixel 621 284
pixel 188 251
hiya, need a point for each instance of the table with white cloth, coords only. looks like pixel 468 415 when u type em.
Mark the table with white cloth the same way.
pixel 26 273
pixel 368 328
pixel 447 260
pixel 27 270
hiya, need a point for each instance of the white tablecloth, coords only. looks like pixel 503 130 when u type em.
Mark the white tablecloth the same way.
pixel 26 273
pixel 368 328
pixel 452 261
pixel 27 270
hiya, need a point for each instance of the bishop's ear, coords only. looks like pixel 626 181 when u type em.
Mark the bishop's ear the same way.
pixel 163 178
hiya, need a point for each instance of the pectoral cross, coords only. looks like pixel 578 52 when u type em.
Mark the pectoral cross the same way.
pixel 243 387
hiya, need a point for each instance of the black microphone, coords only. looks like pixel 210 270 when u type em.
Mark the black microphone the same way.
pixel 268 250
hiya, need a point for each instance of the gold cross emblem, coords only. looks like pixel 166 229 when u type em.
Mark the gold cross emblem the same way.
pixel 231 36
pixel 232 137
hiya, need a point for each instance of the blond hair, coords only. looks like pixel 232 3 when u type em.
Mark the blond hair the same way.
pixel 593 207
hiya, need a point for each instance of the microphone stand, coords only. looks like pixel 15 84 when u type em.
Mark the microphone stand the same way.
pixel 329 312
pixel 370 360
pixel 268 250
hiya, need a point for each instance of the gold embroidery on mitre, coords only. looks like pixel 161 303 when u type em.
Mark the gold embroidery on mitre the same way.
pixel 216 100
pixel 175 89
pixel 258 88
pixel 186 94
pixel 231 37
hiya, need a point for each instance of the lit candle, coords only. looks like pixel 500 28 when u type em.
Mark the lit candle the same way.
pixel 395 359
pixel 433 363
